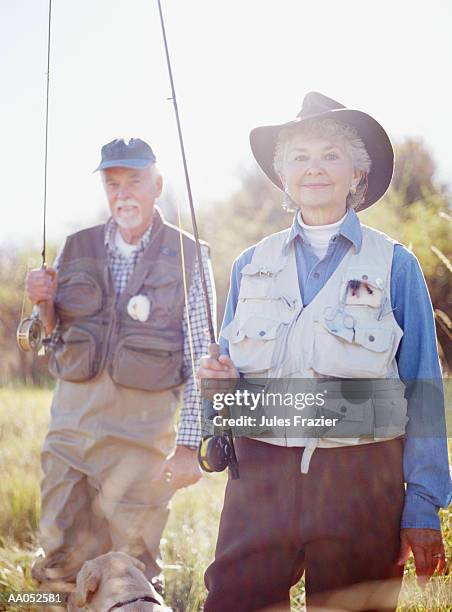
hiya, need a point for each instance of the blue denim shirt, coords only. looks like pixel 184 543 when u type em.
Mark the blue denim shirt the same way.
pixel 425 459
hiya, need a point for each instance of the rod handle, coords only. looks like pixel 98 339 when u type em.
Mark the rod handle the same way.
pixel 214 350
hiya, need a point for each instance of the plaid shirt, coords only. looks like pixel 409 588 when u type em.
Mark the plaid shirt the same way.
pixel 122 267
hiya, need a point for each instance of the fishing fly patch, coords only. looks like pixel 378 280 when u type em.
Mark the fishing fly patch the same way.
pixel 139 308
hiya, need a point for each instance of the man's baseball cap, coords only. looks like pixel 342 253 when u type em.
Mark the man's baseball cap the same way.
pixel 121 153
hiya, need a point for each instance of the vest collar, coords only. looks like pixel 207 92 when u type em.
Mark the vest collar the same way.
pixel 350 230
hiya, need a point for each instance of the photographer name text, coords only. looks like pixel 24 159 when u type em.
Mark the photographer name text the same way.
pixel 297 420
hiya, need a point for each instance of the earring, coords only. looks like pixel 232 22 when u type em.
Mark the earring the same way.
pixel 353 189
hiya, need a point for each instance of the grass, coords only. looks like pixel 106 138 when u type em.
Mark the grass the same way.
pixel 189 538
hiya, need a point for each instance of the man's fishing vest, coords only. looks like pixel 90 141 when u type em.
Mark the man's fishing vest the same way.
pixel 96 330
pixel 345 332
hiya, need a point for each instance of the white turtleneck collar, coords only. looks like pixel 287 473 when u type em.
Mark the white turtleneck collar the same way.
pixel 319 236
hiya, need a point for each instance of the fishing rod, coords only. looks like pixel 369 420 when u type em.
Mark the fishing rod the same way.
pixel 215 452
pixel 31 331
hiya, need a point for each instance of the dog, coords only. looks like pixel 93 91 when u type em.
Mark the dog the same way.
pixel 114 581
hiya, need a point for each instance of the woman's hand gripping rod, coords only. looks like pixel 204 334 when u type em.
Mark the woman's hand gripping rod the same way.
pixel 225 440
pixel 217 452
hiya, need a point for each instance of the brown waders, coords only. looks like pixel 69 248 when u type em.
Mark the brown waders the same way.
pixel 339 523
pixel 105 443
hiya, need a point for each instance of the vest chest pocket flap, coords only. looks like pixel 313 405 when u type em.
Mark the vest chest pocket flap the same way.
pixel 260 295
pixel 74 358
pixel 364 352
pixel 78 295
pixel 257 281
pixel 161 290
pixel 252 342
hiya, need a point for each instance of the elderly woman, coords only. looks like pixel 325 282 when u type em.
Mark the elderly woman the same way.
pixel 332 299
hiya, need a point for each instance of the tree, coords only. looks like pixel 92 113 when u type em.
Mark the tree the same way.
pixel 414 171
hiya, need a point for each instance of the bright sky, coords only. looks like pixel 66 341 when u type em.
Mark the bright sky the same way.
pixel 237 64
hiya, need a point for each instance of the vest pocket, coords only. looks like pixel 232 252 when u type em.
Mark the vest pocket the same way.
pixel 74 357
pixel 162 293
pixel 252 342
pixel 78 295
pixel 259 294
pixel 369 290
pixel 390 412
pixel 368 355
pixel 257 281
pixel 353 420
pixel 139 365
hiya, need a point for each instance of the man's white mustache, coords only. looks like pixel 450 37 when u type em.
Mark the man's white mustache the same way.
pixel 122 203
pixel 133 218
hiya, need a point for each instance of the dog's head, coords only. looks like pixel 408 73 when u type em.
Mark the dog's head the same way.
pixel 108 579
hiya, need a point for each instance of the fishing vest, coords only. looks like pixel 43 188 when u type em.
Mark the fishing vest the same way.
pixel 96 330
pixel 341 333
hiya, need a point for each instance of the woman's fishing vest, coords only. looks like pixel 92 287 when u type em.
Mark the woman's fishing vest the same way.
pixel 96 330
pixel 347 331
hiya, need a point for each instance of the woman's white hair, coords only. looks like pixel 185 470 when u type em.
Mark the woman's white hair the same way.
pixel 328 129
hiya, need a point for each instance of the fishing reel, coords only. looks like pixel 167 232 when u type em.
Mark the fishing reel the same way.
pixel 31 332
pixel 216 453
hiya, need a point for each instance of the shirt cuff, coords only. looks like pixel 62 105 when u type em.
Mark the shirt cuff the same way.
pixel 189 432
pixel 419 513
pixel 190 446
pixel 52 339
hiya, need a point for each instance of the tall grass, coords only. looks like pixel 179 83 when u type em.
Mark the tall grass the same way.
pixel 189 538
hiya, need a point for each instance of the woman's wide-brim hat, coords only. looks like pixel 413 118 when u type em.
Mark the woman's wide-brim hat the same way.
pixel 263 141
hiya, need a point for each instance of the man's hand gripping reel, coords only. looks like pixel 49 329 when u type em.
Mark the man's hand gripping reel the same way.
pixel 216 453
pixel 31 332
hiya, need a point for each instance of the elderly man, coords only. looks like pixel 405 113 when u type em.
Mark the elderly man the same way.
pixel 120 349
